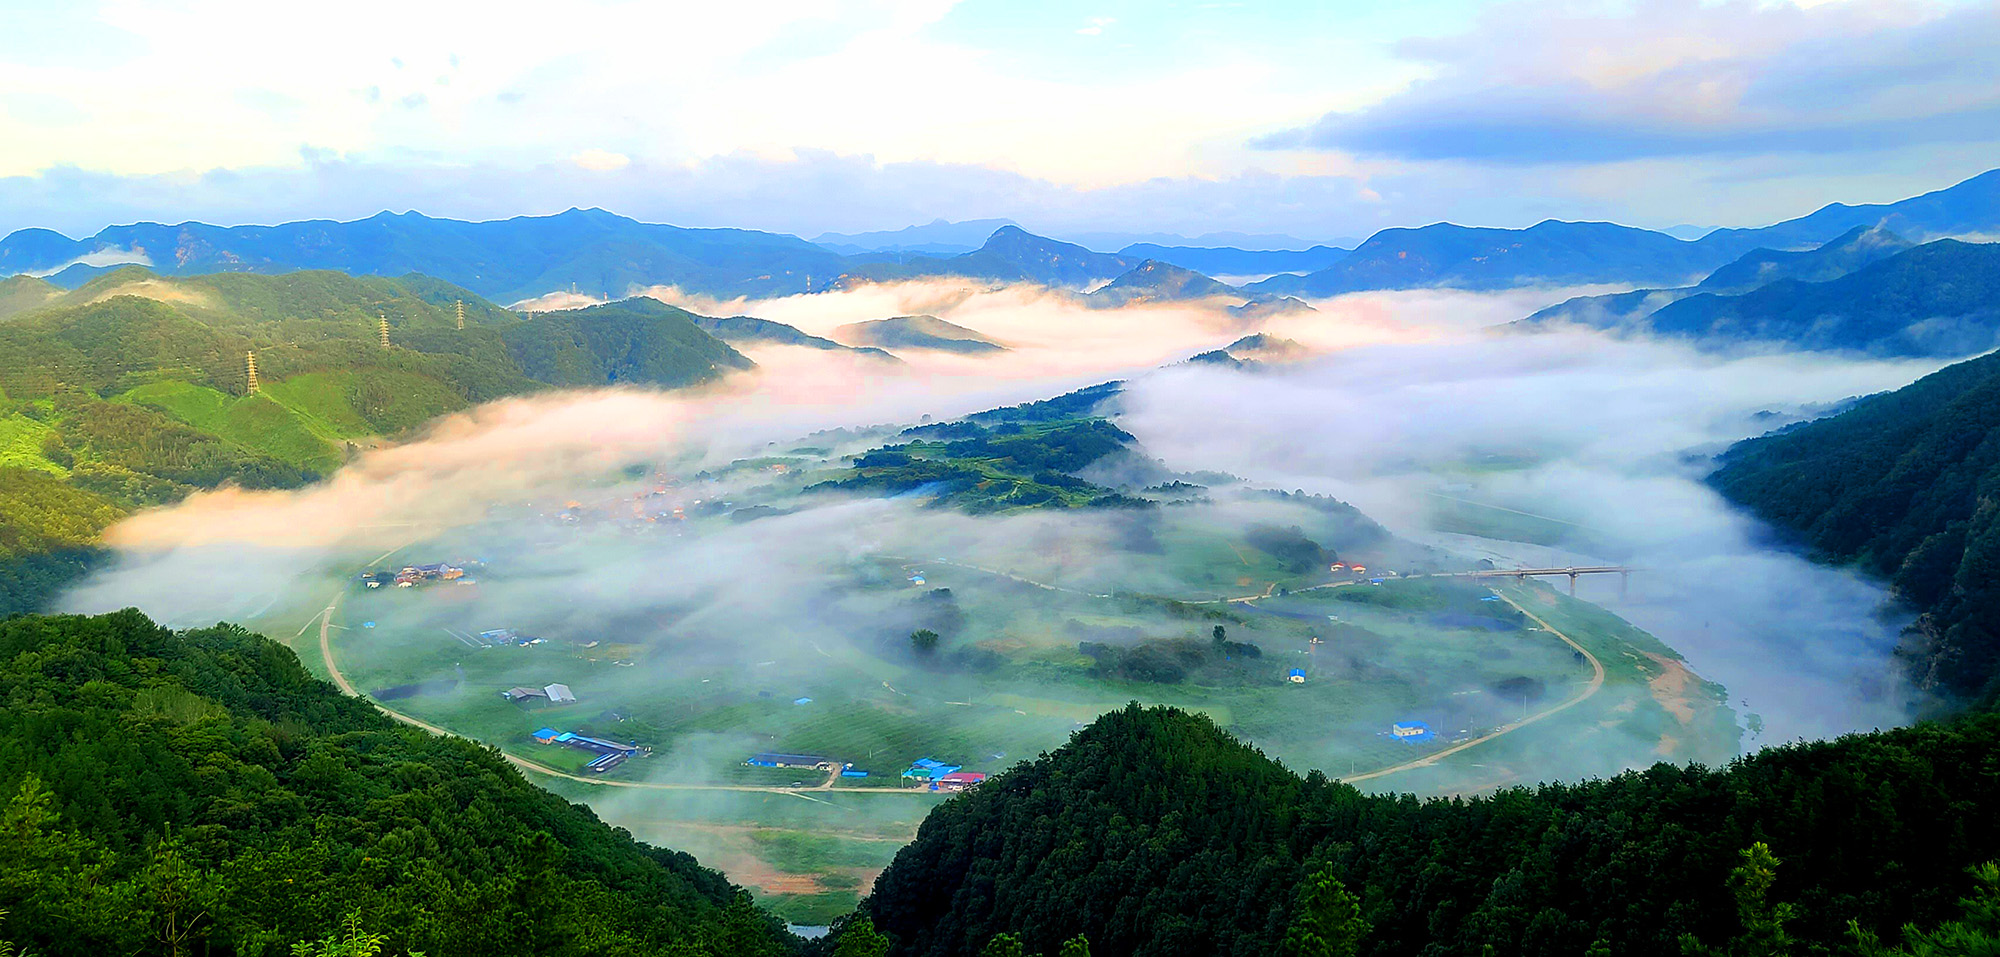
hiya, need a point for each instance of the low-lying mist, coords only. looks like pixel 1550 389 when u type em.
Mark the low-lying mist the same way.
pixel 1407 405
pixel 1596 446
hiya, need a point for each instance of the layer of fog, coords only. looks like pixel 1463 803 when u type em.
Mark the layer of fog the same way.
pixel 1612 436
pixel 1409 390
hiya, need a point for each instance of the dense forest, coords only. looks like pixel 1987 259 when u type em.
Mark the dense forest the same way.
pixel 199 793
pixel 1904 485
pixel 1153 832
pixel 134 390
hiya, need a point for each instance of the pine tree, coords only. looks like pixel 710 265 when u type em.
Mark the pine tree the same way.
pixel 1327 921
pixel 861 939
pixel 1763 922
pixel 1004 945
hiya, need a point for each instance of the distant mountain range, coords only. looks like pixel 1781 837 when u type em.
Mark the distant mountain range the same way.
pixel 504 260
pixel 602 255
pixel 936 238
pixel 1226 261
pixel 1560 253
pixel 1850 251
pixel 1937 299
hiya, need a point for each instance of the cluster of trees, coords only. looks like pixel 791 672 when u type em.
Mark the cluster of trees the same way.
pixel 1153 832
pixel 1005 464
pixel 1217 661
pixel 1291 547
pixel 200 793
pixel 1902 485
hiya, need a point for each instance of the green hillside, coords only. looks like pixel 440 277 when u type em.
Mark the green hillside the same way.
pixel 135 388
pixel 635 340
pixel 1903 485
pixel 1153 832
pixel 22 293
pixel 200 793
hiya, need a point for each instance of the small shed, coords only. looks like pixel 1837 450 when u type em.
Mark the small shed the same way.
pixel 560 694
pixel 523 694
pixel 1297 676
pixel 547 736
pixel 802 701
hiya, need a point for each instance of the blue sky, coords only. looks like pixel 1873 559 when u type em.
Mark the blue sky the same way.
pixel 1320 120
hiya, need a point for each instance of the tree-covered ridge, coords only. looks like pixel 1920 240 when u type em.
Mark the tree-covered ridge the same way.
pixel 1904 485
pixel 135 389
pixel 202 786
pixel 1937 299
pixel 1010 458
pixel 1153 832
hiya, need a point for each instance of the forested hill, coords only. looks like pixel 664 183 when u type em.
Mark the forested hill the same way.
pixel 200 793
pixel 1152 832
pixel 1905 485
pixel 134 390
pixel 1938 299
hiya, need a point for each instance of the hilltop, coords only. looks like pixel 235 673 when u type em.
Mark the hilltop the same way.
pixel 917 332
pixel 1154 281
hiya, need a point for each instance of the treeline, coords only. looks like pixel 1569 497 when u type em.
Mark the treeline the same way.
pixel 200 793
pixel 1901 484
pixel 1153 832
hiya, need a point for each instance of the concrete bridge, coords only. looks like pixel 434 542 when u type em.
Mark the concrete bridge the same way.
pixel 1623 572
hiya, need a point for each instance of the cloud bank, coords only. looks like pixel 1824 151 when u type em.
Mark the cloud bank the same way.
pixel 1678 78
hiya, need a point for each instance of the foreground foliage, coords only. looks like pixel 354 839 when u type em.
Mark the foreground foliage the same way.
pixel 198 792
pixel 1153 832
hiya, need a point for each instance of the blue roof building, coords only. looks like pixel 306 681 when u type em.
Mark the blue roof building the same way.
pixel 1411 732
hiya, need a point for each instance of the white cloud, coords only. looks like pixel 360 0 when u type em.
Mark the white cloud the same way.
pixel 601 160
pixel 1568 84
